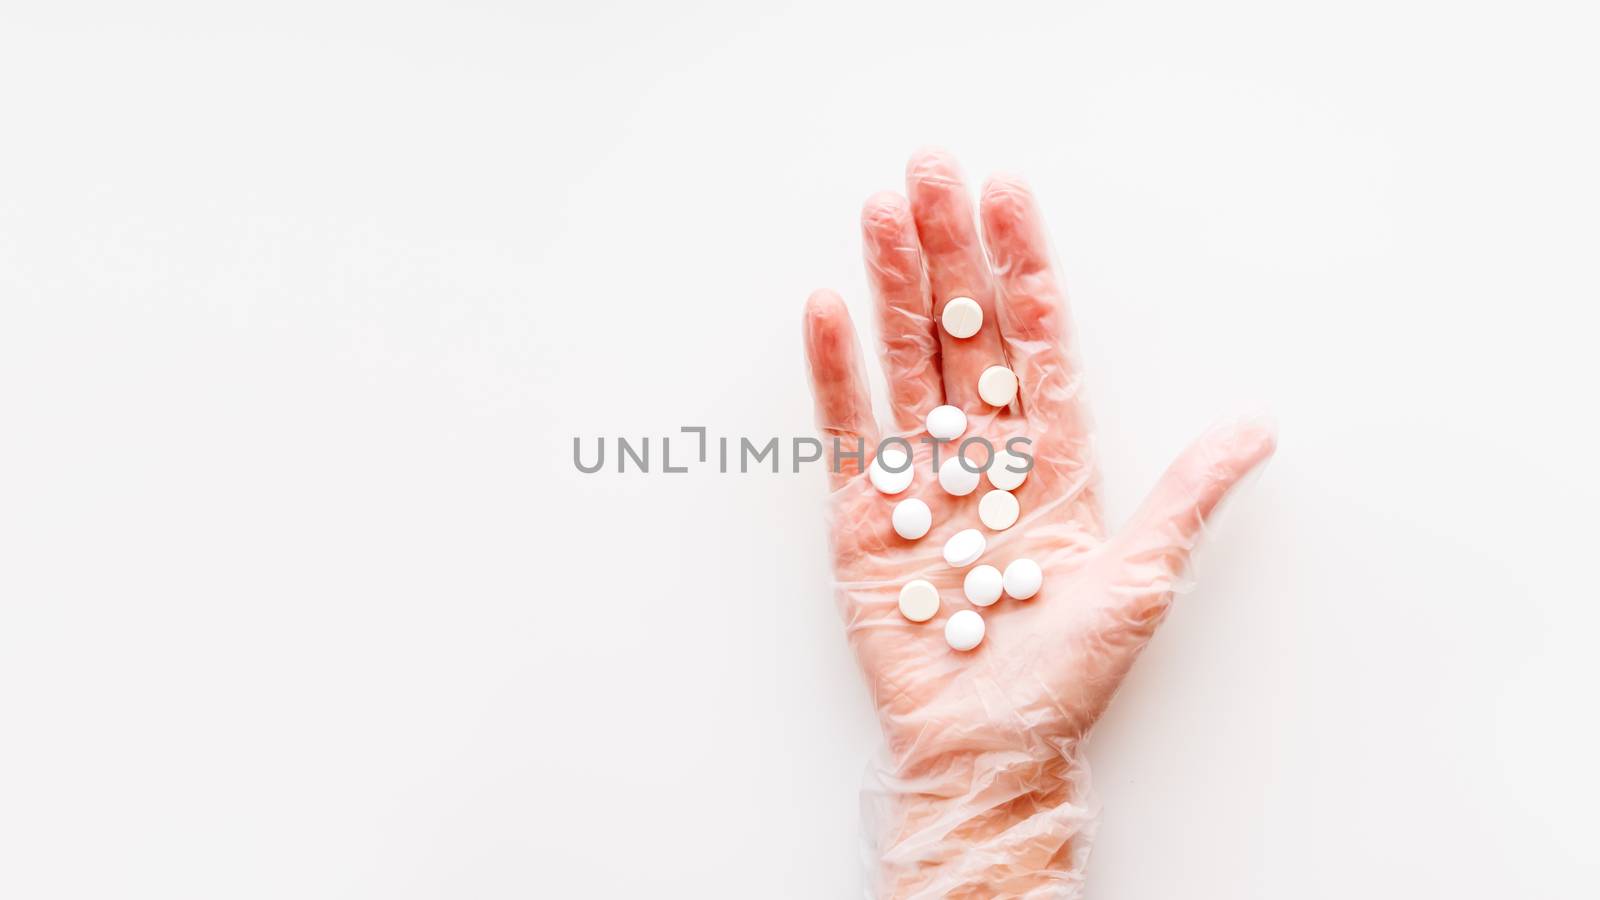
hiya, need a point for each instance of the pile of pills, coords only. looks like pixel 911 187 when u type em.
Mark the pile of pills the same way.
pixel 891 473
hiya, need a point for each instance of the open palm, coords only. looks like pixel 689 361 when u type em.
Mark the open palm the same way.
pixel 984 790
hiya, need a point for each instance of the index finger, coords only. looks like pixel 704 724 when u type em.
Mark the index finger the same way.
pixel 1032 308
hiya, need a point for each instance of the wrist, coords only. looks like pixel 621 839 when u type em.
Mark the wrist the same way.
pixel 990 823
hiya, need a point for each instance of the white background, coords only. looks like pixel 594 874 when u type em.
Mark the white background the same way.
pixel 301 308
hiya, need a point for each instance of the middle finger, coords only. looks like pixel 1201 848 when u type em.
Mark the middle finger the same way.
pixel 956 267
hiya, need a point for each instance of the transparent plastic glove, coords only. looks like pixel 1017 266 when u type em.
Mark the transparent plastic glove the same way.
pixel 982 792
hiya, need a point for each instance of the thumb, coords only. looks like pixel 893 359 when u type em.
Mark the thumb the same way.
pixel 1154 547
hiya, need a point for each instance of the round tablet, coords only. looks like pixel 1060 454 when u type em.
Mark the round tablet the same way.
pixel 962 317
pixel 1022 578
pixel 947 422
pixel 982 585
pixel 919 600
pixel 911 518
pixel 886 481
pixel 997 386
pixel 964 630
pixel 964 548
pixel 1006 472
pixel 998 510
pixel 956 478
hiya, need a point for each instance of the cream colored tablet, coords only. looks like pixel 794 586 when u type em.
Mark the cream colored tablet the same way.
pixel 997 386
pixel 964 548
pixel 1023 579
pixel 962 317
pixel 947 422
pixel 1006 472
pixel 964 630
pixel 998 510
pixel 890 482
pixel 911 518
pixel 956 478
pixel 919 600
pixel 982 585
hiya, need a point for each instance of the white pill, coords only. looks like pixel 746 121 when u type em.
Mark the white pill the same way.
pixel 886 481
pixel 962 317
pixel 964 630
pixel 1023 578
pixel 911 519
pixel 919 600
pixel 1006 472
pixel 997 386
pixel 982 585
pixel 998 510
pixel 964 548
pixel 956 478
pixel 947 422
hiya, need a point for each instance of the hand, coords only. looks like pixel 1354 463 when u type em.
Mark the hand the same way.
pixel 984 794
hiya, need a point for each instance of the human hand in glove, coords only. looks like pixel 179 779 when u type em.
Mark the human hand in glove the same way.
pixel 984 793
